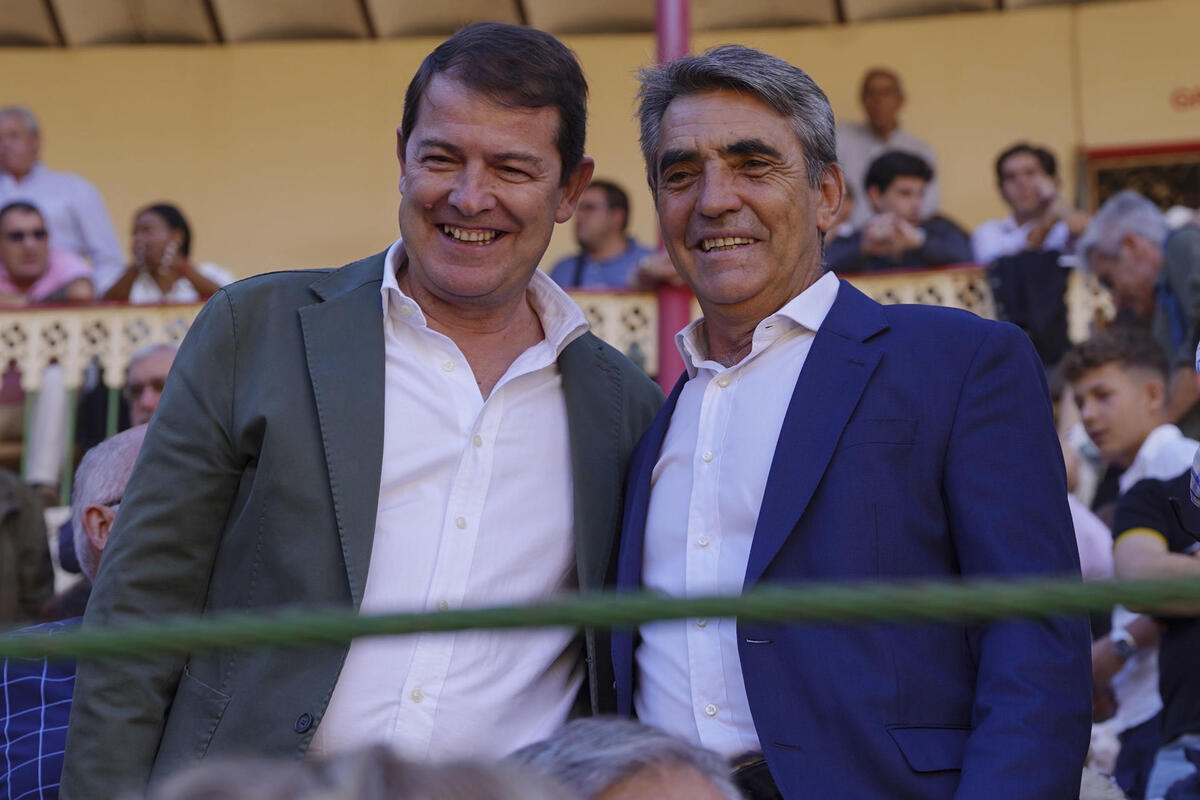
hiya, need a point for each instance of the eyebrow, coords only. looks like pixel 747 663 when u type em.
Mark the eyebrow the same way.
pixel 453 149
pixel 742 147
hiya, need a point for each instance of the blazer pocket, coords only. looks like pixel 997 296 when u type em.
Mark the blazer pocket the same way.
pixel 193 718
pixel 931 748
pixel 878 431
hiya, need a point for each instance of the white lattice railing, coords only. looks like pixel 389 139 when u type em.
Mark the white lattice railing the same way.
pixel 34 337
pixel 112 332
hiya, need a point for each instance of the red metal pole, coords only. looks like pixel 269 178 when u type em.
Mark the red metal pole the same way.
pixel 674 303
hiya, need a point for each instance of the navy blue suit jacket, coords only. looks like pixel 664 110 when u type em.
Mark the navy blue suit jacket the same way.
pixel 919 442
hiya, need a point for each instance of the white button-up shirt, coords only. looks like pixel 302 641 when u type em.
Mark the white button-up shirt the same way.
pixel 474 508
pixel 1004 237
pixel 714 463
pixel 75 216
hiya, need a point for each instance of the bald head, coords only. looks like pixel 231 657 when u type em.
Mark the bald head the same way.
pixel 99 486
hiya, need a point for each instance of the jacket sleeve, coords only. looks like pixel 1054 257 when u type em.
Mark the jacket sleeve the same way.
pixel 158 560
pixel 1006 499
pixel 944 244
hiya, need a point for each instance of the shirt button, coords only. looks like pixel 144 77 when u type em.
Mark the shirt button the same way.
pixel 710 710
pixel 722 382
pixel 461 522
pixel 702 541
pixel 477 440
pixel 417 695
pixel 702 623
pixel 303 723
pixel 708 456
pixel 442 605
pixel 447 366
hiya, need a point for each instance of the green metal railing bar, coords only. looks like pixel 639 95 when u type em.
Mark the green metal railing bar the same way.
pixel 970 601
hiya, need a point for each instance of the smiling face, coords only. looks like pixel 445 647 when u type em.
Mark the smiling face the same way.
pixel 1119 407
pixel 24 246
pixel 739 218
pixel 482 189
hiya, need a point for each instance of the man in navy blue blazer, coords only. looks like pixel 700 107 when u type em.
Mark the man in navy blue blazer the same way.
pixel 817 436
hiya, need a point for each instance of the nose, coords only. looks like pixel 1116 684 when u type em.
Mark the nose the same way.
pixel 148 399
pixel 718 194
pixel 472 193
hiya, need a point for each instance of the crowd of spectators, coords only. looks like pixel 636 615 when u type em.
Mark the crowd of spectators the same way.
pixel 1127 412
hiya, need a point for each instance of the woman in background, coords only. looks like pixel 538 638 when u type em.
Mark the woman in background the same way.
pixel 161 270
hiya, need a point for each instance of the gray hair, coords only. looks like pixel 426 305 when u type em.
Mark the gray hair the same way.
pixel 100 481
pixel 24 114
pixel 1124 213
pixel 375 773
pixel 150 350
pixel 590 755
pixel 788 90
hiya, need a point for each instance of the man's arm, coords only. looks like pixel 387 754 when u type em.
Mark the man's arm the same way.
pixel 158 559
pixel 944 244
pixel 1006 498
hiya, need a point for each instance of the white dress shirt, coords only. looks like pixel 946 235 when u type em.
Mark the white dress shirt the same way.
pixel 997 238
pixel 75 216
pixel 474 508
pixel 714 462
pixel 857 147
pixel 1165 454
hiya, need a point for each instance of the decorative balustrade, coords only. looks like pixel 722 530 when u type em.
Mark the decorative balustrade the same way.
pixel 110 333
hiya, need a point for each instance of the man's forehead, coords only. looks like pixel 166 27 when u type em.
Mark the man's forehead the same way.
pixel 19 218
pixel 1020 162
pixel 722 118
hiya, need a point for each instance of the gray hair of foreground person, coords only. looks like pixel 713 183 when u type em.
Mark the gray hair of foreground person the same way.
pixel 1125 213
pixel 100 481
pixel 590 755
pixel 376 773
pixel 788 90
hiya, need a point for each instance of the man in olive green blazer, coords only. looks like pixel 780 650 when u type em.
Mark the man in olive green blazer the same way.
pixel 258 485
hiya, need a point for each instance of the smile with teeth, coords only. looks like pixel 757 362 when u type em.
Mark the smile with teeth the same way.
pixel 470 236
pixel 724 243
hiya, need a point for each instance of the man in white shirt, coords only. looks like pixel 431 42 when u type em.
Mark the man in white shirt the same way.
pixel 819 436
pixel 428 428
pixel 860 143
pixel 74 210
pixel 1027 177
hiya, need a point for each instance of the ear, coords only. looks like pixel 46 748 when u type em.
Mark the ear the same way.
pixel 1156 393
pixel 829 197
pixel 874 198
pixel 579 179
pixel 97 522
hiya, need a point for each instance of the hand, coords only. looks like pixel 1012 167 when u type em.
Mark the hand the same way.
pixel 655 270
pixel 879 236
pixel 167 265
pixel 1105 661
pixel 909 236
pixel 1104 702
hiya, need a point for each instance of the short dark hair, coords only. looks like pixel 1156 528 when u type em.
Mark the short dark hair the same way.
pixel 1124 345
pixel 175 221
pixel 514 66
pixel 20 205
pixel 614 197
pixel 1044 157
pixel 896 164
pixel 875 72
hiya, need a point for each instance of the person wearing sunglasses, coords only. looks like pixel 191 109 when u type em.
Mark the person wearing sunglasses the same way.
pixel 31 271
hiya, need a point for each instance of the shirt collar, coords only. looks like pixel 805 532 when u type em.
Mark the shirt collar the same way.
pixel 562 319
pixel 1159 438
pixel 806 311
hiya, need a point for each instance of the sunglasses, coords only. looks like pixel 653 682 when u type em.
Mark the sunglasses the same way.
pixel 16 237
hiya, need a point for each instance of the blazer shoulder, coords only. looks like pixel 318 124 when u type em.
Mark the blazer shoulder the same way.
pixel 609 359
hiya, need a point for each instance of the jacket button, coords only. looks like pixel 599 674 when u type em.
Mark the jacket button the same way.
pixel 303 722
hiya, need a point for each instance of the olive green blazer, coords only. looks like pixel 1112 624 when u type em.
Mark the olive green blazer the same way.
pixel 256 490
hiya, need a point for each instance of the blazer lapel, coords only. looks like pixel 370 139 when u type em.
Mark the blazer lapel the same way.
pixel 836 372
pixel 343 341
pixel 592 388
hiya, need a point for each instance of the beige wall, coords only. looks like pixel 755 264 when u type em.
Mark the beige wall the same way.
pixel 283 154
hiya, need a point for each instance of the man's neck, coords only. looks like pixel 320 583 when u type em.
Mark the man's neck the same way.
pixel 609 249
pixel 20 176
pixel 882 133
pixel 490 338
